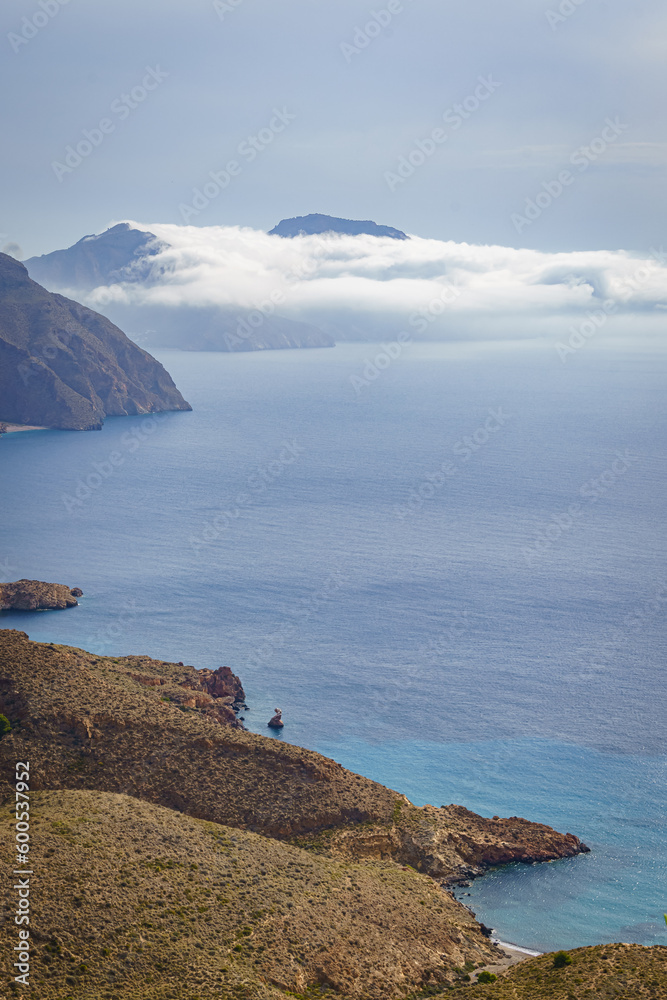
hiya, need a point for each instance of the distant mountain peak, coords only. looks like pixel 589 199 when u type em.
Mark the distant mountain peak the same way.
pixel 97 259
pixel 309 225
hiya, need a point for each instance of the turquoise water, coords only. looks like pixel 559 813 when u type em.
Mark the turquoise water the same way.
pixel 452 581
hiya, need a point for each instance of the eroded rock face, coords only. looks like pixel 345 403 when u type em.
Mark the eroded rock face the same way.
pixel 34 595
pixel 452 843
pixel 221 683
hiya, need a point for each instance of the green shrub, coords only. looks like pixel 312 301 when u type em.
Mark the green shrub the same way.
pixel 5 726
pixel 486 977
pixel 561 959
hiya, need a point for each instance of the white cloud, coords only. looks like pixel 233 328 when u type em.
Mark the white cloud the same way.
pixel 337 280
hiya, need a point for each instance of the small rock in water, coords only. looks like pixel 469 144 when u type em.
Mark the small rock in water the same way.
pixel 277 721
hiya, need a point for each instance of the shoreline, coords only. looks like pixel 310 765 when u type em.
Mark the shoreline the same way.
pixel 514 955
pixel 17 428
pixel 515 948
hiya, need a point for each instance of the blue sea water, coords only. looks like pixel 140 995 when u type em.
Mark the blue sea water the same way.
pixel 450 577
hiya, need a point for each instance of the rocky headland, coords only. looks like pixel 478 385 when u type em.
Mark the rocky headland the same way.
pixel 34 595
pixel 170 839
pixel 64 366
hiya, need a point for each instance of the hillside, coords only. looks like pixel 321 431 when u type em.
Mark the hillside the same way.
pixel 64 366
pixel 181 856
pixel 152 729
pixel 605 972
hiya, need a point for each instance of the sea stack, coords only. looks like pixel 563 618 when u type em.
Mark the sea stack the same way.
pixel 277 721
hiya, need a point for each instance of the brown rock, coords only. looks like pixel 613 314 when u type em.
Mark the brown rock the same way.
pixel 277 721
pixel 33 595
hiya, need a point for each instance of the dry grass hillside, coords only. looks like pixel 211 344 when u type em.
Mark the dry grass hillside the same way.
pixel 606 972
pixel 138 901
pixel 181 857
pixel 149 729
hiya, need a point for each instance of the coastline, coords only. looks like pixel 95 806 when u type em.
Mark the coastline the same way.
pixel 17 428
pixel 515 949
pixel 514 955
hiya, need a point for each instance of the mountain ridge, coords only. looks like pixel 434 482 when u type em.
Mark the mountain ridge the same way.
pixel 182 856
pixel 315 224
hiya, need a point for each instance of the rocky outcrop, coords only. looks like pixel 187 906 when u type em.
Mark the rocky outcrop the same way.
pixel 33 595
pixel 452 844
pixel 221 683
pixel 308 225
pixel 64 366
pixel 276 722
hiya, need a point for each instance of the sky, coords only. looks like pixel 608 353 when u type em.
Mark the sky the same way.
pixel 528 124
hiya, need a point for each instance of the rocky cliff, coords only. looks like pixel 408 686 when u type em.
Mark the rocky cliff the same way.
pixel 34 595
pixel 309 225
pixel 64 366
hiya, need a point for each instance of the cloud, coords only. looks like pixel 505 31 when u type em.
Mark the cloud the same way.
pixel 378 284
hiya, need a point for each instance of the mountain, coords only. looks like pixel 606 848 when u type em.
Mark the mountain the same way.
pixel 124 255
pixel 104 259
pixel 309 225
pixel 64 366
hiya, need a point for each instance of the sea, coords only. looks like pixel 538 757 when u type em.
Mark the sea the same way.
pixel 445 564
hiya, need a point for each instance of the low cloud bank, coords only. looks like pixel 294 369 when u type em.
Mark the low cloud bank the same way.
pixel 362 286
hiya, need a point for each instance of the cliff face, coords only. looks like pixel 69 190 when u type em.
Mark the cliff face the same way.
pixel 308 225
pixel 33 595
pixel 64 366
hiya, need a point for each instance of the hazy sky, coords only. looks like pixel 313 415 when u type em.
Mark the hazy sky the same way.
pixel 334 106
